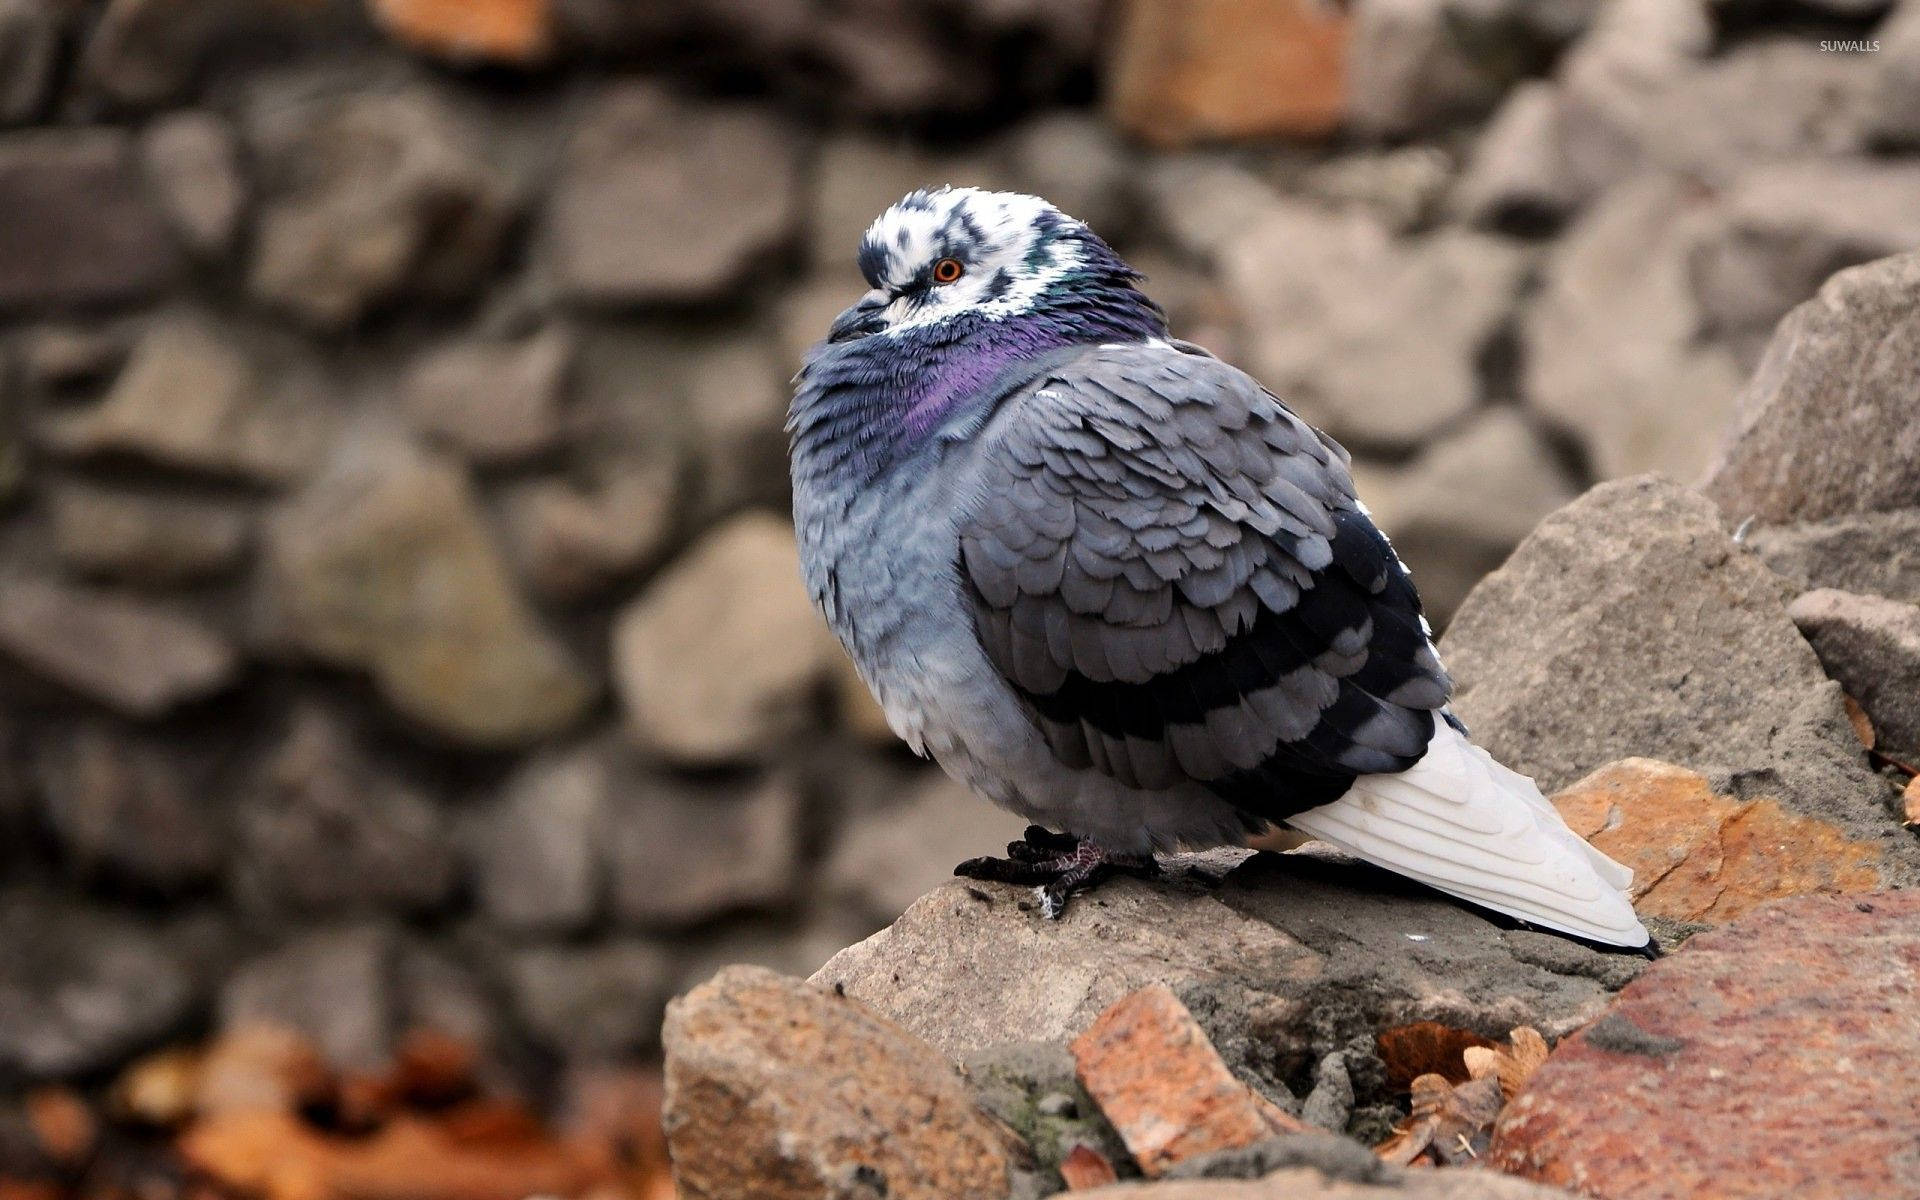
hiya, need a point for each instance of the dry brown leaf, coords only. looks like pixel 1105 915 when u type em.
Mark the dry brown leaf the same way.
pixel 1857 717
pixel 158 1089
pixel 261 1067
pixel 1426 1048
pixel 1448 1124
pixel 1910 803
pixel 1512 1064
pixel 62 1124
pixel 1084 1167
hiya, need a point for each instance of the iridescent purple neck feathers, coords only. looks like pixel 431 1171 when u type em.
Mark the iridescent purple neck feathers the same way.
pixel 860 406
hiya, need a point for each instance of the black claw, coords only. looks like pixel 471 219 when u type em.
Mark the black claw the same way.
pixel 1004 870
pixel 1045 839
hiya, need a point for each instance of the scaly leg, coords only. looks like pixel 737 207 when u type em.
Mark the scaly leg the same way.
pixel 1060 864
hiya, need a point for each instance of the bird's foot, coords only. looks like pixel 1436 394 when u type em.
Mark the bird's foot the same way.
pixel 1059 864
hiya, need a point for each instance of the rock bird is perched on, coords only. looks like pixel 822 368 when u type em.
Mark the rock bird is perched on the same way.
pixel 1117 587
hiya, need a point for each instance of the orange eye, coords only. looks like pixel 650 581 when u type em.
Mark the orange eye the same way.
pixel 947 270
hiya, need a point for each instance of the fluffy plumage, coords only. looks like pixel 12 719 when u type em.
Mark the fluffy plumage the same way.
pixel 1118 587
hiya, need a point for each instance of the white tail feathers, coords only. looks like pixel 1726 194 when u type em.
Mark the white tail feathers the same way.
pixel 1462 823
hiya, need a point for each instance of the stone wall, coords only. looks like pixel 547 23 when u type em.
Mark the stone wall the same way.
pixel 398 621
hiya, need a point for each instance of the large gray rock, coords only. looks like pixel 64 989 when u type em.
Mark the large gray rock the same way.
pixel 385 563
pixel 594 1002
pixel 1517 175
pixel 1870 645
pixel 1283 961
pixel 320 797
pixel 719 659
pixel 192 161
pixel 1630 624
pixel 138 660
pixel 1639 93
pixel 143 537
pixel 83 987
pixel 354 990
pixel 1457 510
pixel 537 850
pixel 194 397
pixel 661 200
pixel 493 401
pixel 1418 64
pixel 31 33
pixel 682 853
pixel 1830 422
pixel 1790 226
pixel 1612 342
pixel 1874 553
pixel 131 808
pixel 76 227
pixel 370 197
pixel 1893 107
pixel 1340 318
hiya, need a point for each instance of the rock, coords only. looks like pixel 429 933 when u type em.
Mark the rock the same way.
pixel 736 406
pixel 1031 1088
pixel 192 163
pixel 682 854
pixel 1517 176
pixel 58 358
pixel 1787 228
pixel 1152 1071
pixel 31 37
pixel 494 402
pixel 717 661
pixel 134 809
pixel 1629 624
pixel 76 227
pixel 1870 645
pixel 1873 553
pixel 333 985
pixel 1205 204
pixel 1460 507
pixel 1080 163
pixel 1181 73
pixel 515 32
pixel 144 52
pixel 141 537
pixel 886 860
pixel 383 563
pixel 1612 343
pixel 369 197
pixel 192 398
pixel 1893 104
pixel 1282 961
pixel 537 849
pixel 780 1090
pixel 591 1003
pixel 319 796
pixel 660 200
pixel 1420 64
pixel 138 660
pixel 1308 1183
pixel 1825 426
pixel 1340 317
pixel 83 987
pixel 1804 1010
pixel 1703 857
pixel 569 543
pixel 1402 187
pixel 1330 1104
pixel 1639 95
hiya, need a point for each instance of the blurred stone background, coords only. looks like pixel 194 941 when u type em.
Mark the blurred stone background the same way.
pixel 399 625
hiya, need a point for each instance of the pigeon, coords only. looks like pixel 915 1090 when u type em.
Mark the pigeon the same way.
pixel 1112 584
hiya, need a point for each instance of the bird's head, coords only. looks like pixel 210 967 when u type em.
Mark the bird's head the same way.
pixel 954 261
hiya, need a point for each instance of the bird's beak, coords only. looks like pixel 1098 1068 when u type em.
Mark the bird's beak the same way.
pixel 860 320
